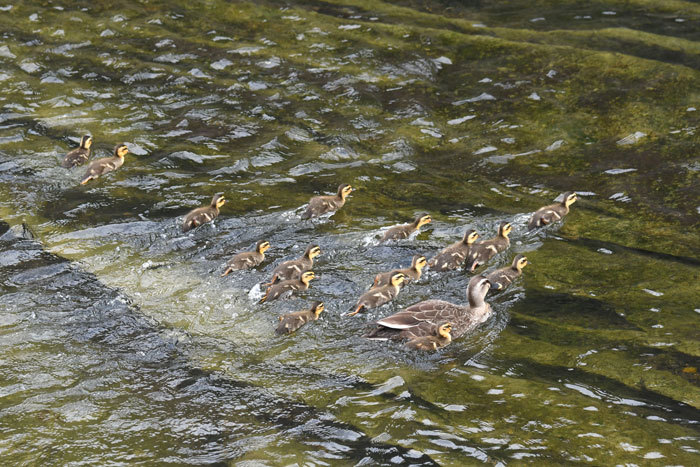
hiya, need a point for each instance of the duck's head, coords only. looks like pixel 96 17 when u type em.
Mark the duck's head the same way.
pixel 218 200
pixel 120 150
pixel 312 251
pixel 307 277
pixel 86 142
pixel 519 262
pixel 397 279
pixel 477 290
pixel 344 190
pixel 444 329
pixel 422 220
pixel 470 236
pixel 569 198
pixel 505 229
pixel 262 246
pixel 419 262
pixel 317 308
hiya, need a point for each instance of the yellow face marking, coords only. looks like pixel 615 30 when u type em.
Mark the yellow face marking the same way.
pixel 308 275
pixel 123 151
pixel 88 143
pixel 320 308
pixel 472 237
pixel 220 202
pixel 421 262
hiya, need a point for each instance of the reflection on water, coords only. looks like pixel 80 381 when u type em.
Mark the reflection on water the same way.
pixel 118 330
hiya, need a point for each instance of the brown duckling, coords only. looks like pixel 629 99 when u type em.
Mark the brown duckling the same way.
pixel 410 274
pixel 401 232
pixel 290 322
pixel 199 216
pixel 289 286
pixel 454 255
pixel 107 164
pixel 322 204
pixel 440 338
pixel 502 278
pixel 553 212
pixel 79 155
pixel 248 259
pixel 292 269
pixel 481 252
pixel 378 296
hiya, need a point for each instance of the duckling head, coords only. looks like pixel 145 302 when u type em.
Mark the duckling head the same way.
pixel 445 329
pixel 397 279
pixel 419 262
pixel 262 246
pixel 317 308
pixel 120 150
pixel 86 142
pixel 519 262
pixel 470 236
pixel 505 229
pixel 422 220
pixel 344 190
pixel 570 198
pixel 307 277
pixel 312 251
pixel 218 200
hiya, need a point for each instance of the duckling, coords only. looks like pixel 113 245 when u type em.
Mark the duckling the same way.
pixel 248 259
pixel 484 251
pixel 293 321
pixel 292 285
pixel 553 212
pixel 440 338
pixel 379 295
pixel 502 278
pixel 454 255
pixel 107 164
pixel 292 269
pixel 410 274
pixel 80 155
pixel 404 231
pixel 199 216
pixel 322 204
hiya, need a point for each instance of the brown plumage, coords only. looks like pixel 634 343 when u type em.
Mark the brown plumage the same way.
pixel 401 232
pixel 105 165
pixel 420 319
pixel 553 212
pixel 79 155
pixel 502 278
pixel 319 205
pixel 378 296
pixel 410 274
pixel 294 268
pixel 481 252
pixel 290 287
pixel 199 216
pixel 248 259
pixel 290 322
pixel 440 338
pixel 454 255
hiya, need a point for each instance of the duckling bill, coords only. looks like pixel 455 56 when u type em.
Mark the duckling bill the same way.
pixel 248 259
pixel 290 322
pixel 79 155
pixel 319 205
pixel 105 165
pixel 288 287
pixel 553 212
pixel 401 232
pixel 199 216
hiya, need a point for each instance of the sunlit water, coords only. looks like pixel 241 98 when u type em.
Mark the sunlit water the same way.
pixel 121 343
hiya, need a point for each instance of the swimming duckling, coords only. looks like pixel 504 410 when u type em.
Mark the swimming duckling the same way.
pixel 502 278
pixel 293 321
pixel 401 232
pixel 454 255
pixel 484 251
pixel 248 259
pixel 410 274
pixel 379 295
pixel 292 285
pixel 553 212
pixel 292 269
pixel 322 204
pixel 80 155
pixel 106 164
pixel 440 338
pixel 199 216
